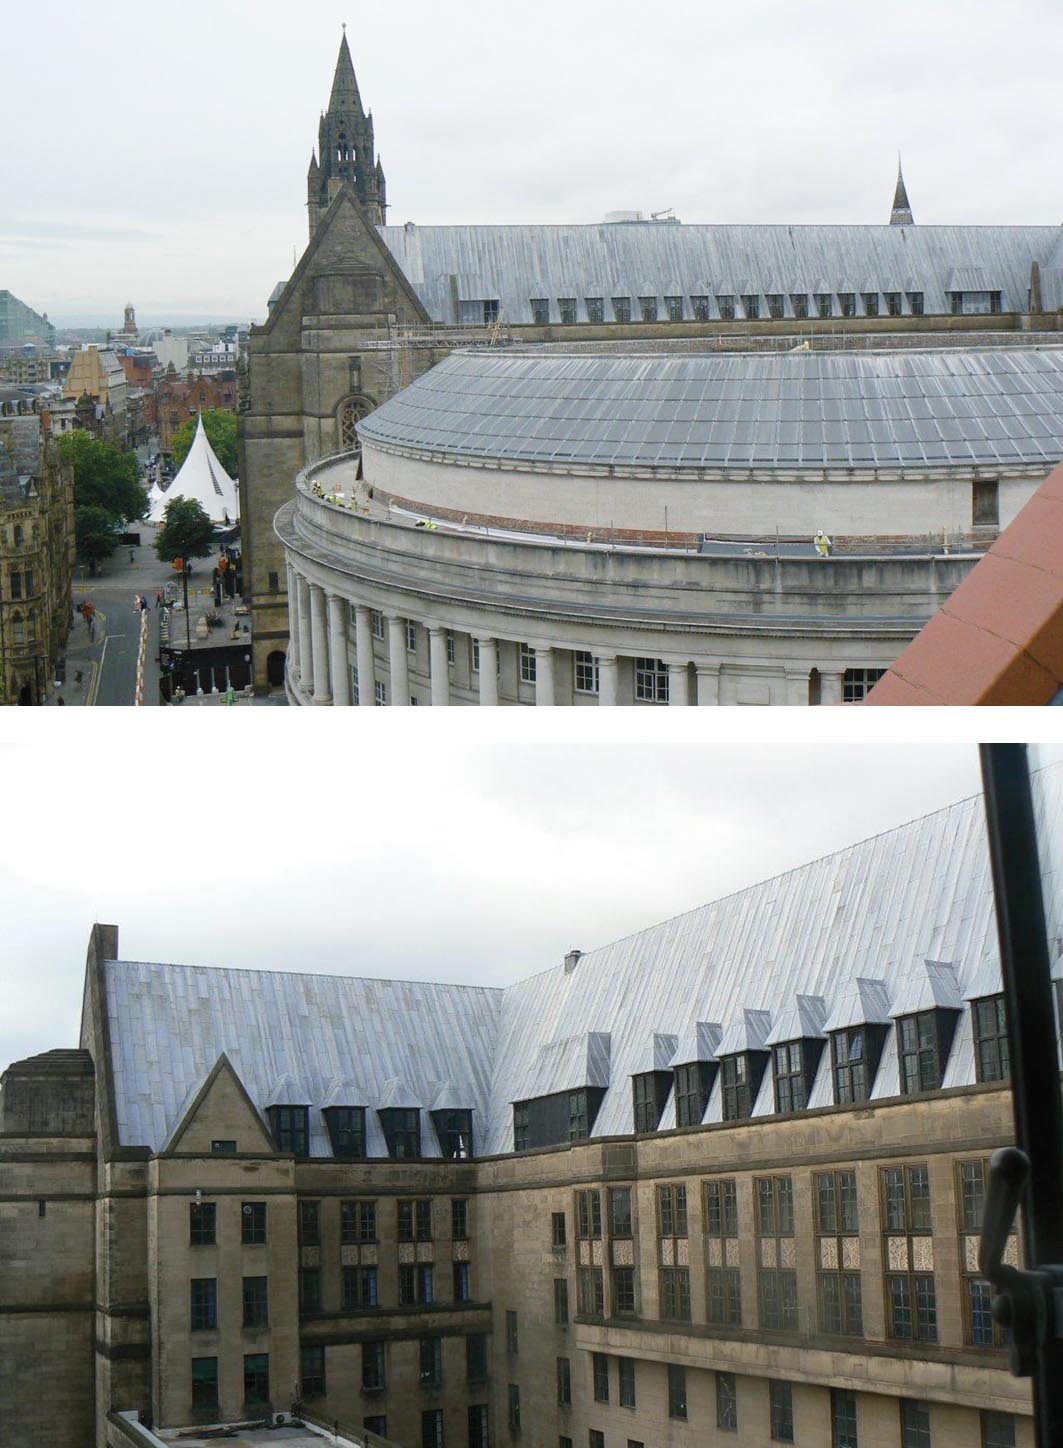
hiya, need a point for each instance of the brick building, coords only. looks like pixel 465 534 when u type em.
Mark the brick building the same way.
pixel 719 1182
pixel 177 402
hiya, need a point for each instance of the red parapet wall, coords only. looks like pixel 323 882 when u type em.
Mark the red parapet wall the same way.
pixel 999 639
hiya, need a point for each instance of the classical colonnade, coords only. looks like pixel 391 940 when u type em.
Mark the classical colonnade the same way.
pixel 320 661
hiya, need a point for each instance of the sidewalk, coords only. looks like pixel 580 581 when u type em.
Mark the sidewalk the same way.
pixel 83 655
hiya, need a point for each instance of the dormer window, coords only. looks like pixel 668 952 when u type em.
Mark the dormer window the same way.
pixel 693 1082
pixel 794 1065
pixel 741 1076
pixel 991 1055
pixel 649 1094
pixel 290 1126
pixel 454 1131
pixel 346 1129
pixel 854 1056
pixel 402 1132
pixel 923 1044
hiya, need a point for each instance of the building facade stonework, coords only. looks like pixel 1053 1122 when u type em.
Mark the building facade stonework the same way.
pixel 372 307
pixel 453 1214
pixel 37 554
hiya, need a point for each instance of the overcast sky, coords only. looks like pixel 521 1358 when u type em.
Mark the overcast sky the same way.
pixel 158 155
pixel 399 849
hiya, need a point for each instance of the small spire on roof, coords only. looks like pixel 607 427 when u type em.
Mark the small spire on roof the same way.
pixel 902 210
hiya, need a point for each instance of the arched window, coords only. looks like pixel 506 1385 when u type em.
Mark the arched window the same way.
pixel 350 413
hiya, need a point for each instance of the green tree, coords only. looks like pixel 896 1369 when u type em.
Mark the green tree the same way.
pixel 186 532
pixel 97 534
pixel 220 428
pixel 105 476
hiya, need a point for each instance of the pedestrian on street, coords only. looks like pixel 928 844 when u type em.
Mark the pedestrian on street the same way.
pixel 131 555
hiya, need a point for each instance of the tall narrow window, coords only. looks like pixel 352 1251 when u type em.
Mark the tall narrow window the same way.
pixel 915 1424
pixel 204 1304
pixel 910 1295
pixel 677 1391
pixel 600 1375
pixel 564 1382
pixel 843 1419
pixel 838 1230
pixel 204 1384
pixel 357 1222
pixel 775 1227
pixel 723 1275
pixel 312 1371
pixel 253 1224
pixel 626 1375
pixel 256 1378
pixel 782 1412
pixel 985 503
pixel 201 1224
pixel 726 1403
pixel 991 1039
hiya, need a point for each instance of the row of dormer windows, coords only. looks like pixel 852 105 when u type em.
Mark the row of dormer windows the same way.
pixel 924 1043
pixel 723 306
pixel 346 1126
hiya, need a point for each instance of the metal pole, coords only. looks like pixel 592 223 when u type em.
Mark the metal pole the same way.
pixel 188 626
pixel 1026 971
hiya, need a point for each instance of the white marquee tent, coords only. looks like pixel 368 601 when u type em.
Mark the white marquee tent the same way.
pixel 203 479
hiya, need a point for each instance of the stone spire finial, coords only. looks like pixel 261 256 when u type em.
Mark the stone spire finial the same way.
pixel 902 210
pixel 345 96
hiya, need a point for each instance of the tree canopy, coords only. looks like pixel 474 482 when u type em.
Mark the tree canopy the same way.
pixel 105 476
pixel 220 428
pixel 187 531
pixel 96 533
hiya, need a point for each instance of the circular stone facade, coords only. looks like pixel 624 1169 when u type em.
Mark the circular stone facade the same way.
pixel 521 528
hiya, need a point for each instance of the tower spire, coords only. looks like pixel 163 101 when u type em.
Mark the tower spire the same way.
pixel 345 97
pixel 346 153
pixel 902 209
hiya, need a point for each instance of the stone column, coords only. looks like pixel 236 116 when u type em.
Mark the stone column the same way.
pixel 293 625
pixel 306 647
pixel 544 677
pixel 607 678
pixel 831 685
pixel 319 637
pixel 437 648
pixel 338 662
pixel 797 686
pixel 399 662
pixel 488 673
pixel 708 684
pixel 366 662
pixel 678 684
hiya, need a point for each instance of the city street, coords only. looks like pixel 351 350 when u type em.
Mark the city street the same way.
pixel 108 663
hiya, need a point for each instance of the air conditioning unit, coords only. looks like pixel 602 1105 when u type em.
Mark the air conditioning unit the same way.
pixel 281 1419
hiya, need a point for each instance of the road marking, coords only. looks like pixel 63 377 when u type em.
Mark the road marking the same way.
pixel 94 682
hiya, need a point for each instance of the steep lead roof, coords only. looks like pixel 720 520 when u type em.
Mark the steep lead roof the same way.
pixel 513 264
pixel 877 911
pixel 814 410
